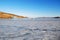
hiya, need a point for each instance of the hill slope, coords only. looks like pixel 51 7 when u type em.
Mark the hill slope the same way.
pixel 8 15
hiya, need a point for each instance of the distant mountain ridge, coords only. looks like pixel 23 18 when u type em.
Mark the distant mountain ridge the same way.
pixel 9 15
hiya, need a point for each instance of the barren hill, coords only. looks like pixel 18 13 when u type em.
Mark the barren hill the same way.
pixel 9 15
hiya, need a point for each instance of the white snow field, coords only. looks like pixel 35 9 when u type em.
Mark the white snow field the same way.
pixel 30 29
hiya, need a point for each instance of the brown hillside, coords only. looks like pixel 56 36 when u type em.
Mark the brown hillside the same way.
pixel 8 15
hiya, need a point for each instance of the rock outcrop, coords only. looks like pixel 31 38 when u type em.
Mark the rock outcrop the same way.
pixel 57 17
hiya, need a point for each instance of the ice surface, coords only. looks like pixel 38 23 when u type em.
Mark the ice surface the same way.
pixel 30 29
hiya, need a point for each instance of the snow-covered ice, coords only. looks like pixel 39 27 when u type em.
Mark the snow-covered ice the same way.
pixel 30 29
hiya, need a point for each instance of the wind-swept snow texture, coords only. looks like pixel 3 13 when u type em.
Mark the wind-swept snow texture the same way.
pixel 30 29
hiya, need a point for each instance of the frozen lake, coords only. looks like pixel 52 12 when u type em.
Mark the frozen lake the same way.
pixel 30 29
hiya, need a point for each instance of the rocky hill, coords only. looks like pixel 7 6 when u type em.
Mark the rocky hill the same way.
pixel 9 15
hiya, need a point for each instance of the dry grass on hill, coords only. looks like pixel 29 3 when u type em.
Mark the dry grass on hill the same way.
pixel 8 15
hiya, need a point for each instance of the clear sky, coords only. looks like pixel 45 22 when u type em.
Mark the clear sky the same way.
pixel 31 8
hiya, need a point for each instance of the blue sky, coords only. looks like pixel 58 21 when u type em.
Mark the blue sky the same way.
pixel 31 8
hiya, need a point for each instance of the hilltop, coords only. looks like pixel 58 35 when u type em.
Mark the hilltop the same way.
pixel 5 15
